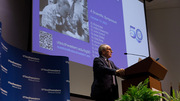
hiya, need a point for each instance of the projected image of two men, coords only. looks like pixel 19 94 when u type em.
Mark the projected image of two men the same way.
pixel 69 17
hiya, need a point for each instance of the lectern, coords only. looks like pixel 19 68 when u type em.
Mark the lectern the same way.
pixel 147 68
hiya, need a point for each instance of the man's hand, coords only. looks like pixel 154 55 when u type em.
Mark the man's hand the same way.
pixel 120 72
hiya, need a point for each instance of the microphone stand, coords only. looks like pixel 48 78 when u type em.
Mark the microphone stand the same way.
pixel 134 54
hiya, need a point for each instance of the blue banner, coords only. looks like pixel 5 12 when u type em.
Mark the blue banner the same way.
pixel 0 58
pixel 27 76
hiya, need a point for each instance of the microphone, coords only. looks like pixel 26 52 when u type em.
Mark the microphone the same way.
pixel 138 55
pixel 134 54
pixel 157 59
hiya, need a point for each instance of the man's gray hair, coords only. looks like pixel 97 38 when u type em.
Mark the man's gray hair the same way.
pixel 101 48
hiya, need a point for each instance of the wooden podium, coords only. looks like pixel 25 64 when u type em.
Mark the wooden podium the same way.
pixel 147 68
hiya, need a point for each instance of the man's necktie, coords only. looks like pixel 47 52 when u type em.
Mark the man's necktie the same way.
pixel 113 77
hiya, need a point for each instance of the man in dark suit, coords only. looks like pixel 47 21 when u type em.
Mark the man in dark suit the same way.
pixel 105 87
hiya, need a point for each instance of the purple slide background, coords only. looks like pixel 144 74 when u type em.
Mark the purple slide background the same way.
pixel 115 37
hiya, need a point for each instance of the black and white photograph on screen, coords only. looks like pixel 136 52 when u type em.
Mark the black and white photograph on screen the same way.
pixel 69 17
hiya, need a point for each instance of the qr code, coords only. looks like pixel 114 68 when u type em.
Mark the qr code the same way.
pixel 45 40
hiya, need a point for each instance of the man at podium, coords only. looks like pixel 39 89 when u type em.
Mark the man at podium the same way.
pixel 105 87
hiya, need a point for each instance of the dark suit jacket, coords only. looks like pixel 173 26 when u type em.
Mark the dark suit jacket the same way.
pixel 102 87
